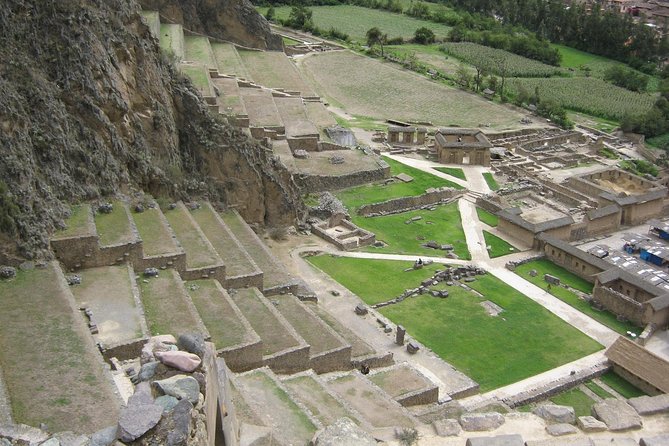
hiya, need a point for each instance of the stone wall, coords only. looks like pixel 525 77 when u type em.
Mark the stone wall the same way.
pixel 558 386
pixel 403 204
pixel 289 361
pixel 515 231
pixel 554 140
pixel 567 261
pixel 227 422
pixel 619 304
pixel 124 351
pixel 373 360
pixel 488 205
pixel 420 397
pixel 76 252
pixel 354 238
pixel 332 360
pixel 253 280
pixel 213 272
pixel 320 183
pixel 211 393
pixel 307 143
pixel 324 146
pixel 636 381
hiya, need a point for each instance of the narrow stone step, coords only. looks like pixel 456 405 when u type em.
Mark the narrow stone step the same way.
pixel 236 341
pixel 240 269
pixel 291 423
pixel 202 261
pixel 405 384
pixel 325 405
pixel 329 351
pixel 374 405
pixel 168 307
pixel 276 279
pixel 284 349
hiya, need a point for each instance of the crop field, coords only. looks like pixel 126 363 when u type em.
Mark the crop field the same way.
pixel 356 20
pixel 431 56
pixel 491 59
pixel 587 95
pixel 383 91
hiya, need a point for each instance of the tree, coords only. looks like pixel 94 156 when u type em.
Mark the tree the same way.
pixel 424 36
pixel 376 37
pixel 301 18
pixel 481 71
pixel 463 76
pixel 270 14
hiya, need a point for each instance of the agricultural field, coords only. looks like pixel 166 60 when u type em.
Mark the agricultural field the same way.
pixel 356 20
pixel 587 94
pixel 459 329
pixel 493 59
pixel 430 56
pixel 383 91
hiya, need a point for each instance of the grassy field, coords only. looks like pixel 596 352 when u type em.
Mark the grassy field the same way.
pixel 156 237
pixel 486 217
pixel 620 385
pixel 431 56
pixel 356 20
pixel 492 58
pixel 355 197
pixel 77 223
pixel 273 69
pixel 442 225
pixel 383 91
pixel 544 266
pixel 113 228
pixel 460 331
pixel 197 49
pixel 50 367
pixel 453 171
pixel 361 122
pixel 199 253
pixel 575 398
pixel 367 278
pixel 199 75
pixel 490 180
pixel 588 95
pixel 498 246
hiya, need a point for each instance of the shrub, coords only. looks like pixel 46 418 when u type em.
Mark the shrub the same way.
pixel 408 436
pixel 278 233
pixel 424 36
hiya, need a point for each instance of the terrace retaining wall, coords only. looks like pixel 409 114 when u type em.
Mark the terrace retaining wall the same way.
pixel 332 360
pixel 402 204
pixel 320 183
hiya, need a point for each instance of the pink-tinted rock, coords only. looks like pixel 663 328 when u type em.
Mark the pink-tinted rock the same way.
pixel 184 361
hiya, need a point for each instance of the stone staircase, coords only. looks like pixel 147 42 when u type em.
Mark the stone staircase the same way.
pixel 214 275
pixel 259 90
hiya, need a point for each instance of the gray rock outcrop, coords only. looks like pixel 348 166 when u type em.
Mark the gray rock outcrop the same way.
pixel 618 415
pixel 486 421
pixel 556 414
pixel 343 432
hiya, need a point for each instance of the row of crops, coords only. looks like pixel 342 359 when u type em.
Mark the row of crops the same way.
pixel 586 94
pixel 499 62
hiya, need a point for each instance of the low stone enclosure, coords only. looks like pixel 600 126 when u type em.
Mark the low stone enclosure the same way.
pixel 432 196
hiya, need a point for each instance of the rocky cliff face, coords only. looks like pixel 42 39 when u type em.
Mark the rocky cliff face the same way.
pixel 89 107
pixel 232 20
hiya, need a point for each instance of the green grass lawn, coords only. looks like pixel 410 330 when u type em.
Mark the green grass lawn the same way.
pixel 598 390
pixel 199 76
pixel 492 183
pixel 443 225
pixel 198 49
pixel 355 197
pixel 498 247
pixel 487 217
pixel 453 171
pixel 360 122
pixel 362 276
pixel 544 266
pixel 356 20
pixel 524 340
pixel 77 223
pixel 113 228
pixel 156 237
pixel 287 41
pixel 575 398
pixel 620 385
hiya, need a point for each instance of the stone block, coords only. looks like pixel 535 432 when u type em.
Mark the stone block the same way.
pixel 341 433
pixel 650 405
pixel 486 421
pixel 618 441
pixel 499 440
pixel 556 414
pixel 447 427
pixel 659 440
pixel 578 441
pixel 618 415
pixel 590 424
pixel 561 429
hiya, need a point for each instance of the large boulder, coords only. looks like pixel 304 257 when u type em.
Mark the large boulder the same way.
pixel 192 343
pixel 556 414
pixel 175 427
pixel 343 432
pixel 650 405
pixel 447 427
pixel 104 437
pixel 184 361
pixel 486 421
pixel 137 419
pixel 180 387
pixel 617 414
pixel 660 440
